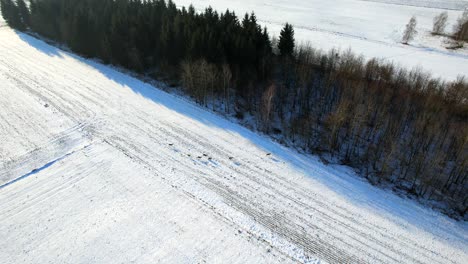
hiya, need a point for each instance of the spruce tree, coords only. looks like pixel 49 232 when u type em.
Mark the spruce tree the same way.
pixel 13 17
pixel 23 12
pixel 286 41
pixel 6 6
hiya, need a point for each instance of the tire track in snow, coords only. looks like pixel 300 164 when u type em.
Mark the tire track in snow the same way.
pixel 187 139
pixel 256 187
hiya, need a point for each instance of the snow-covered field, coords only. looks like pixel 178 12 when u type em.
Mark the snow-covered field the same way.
pixel 99 167
pixel 370 27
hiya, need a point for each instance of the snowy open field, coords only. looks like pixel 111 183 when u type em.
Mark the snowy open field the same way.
pixel 98 167
pixel 370 27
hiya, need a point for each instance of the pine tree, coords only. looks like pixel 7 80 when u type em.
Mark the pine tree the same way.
pixel 7 11
pixel 4 8
pixel 286 41
pixel 266 42
pixel 24 13
pixel 15 18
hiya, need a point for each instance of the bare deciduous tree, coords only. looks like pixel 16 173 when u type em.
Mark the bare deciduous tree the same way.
pixel 461 27
pixel 410 31
pixel 226 76
pixel 200 79
pixel 440 22
pixel 267 103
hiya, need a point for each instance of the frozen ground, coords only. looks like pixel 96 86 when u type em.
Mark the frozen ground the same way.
pixel 371 27
pixel 98 167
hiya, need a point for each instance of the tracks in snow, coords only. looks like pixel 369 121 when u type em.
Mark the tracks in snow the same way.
pixel 195 153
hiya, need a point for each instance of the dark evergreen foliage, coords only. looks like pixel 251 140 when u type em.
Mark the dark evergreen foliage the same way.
pixel 23 13
pixel 11 14
pixel 143 35
pixel 286 41
pixel 5 6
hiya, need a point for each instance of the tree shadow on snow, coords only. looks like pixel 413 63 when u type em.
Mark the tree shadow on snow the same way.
pixel 40 45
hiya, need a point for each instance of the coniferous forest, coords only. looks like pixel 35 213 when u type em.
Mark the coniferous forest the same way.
pixel 397 127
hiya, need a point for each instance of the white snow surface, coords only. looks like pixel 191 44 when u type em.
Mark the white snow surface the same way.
pixel 373 28
pixel 99 167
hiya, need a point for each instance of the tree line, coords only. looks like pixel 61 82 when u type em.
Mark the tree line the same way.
pixel 459 35
pixel 394 125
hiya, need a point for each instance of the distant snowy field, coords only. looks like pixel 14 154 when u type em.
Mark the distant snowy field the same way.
pixel 99 167
pixel 370 27
pixel 442 4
